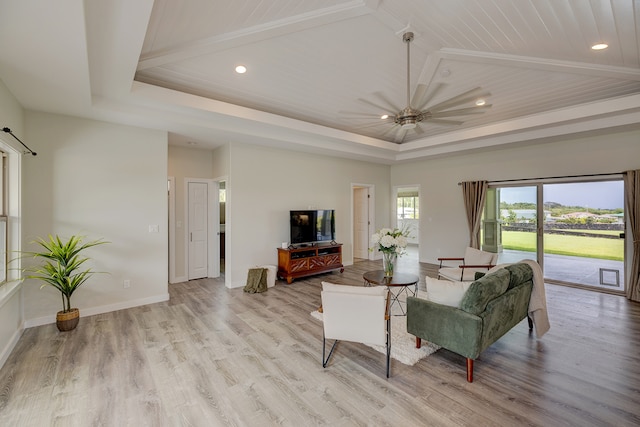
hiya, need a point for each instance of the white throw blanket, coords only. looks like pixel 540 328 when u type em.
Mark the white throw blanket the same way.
pixel 538 301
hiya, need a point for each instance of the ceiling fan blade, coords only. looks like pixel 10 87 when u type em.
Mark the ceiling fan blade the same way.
pixel 419 104
pixel 400 135
pixel 461 111
pixel 358 115
pixel 390 130
pixel 371 125
pixel 384 99
pixel 418 129
pixel 421 89
pixel 467 96
pixel 377 106
pixel 445 122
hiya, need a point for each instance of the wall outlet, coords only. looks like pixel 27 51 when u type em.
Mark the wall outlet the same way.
pixel 126 283
pixel 154 228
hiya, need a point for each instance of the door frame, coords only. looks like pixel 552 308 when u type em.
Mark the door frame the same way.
pixel 227 229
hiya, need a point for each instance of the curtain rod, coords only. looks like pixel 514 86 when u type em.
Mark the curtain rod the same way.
pixel 29 150
pixel 553 177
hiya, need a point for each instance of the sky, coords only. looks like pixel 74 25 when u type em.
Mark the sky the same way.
pixel 597 195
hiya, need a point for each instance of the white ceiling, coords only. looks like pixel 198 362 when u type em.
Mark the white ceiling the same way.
pixel 316 68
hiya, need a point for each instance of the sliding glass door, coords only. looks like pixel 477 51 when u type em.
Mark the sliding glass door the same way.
pixel 575 230
pixel 584 234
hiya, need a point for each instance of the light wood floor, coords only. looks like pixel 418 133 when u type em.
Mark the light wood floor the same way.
pixel 215 357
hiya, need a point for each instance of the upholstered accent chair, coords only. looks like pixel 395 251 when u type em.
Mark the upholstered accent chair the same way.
pixel 357 314
pixel 474 260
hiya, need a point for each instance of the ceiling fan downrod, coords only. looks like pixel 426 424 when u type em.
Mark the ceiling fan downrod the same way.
pixel 408 118
pixel 407 38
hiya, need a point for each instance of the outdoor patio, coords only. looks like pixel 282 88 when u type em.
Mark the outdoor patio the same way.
pixel 599 273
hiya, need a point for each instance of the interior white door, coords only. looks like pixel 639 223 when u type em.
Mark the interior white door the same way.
pixel 198 229
pixel 360 222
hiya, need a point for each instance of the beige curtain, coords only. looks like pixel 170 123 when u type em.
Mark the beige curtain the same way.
pixel 632 189
pixel 474 193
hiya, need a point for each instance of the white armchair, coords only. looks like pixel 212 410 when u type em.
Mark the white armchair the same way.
pixel 355 313
pixel 474 260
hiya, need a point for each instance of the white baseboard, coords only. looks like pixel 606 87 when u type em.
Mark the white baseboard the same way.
pixel 6 351
pixel 46 320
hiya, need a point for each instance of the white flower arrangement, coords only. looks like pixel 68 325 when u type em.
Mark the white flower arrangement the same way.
pixel 390 240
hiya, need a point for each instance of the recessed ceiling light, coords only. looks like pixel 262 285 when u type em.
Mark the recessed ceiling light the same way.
pixel 241 69
pixel 480 102
pixel 599 46
pixel 384 116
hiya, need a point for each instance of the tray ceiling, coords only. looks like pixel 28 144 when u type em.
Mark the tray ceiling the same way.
pixel 327 62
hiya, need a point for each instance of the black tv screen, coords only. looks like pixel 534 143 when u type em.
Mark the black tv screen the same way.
pixel 310 226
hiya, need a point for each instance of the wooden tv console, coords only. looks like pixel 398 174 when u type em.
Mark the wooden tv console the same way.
pixel 309 260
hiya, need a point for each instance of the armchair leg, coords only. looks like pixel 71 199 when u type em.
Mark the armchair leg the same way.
pixel 418 342
pixel 324 346
pixel 469 370
pixel 530 323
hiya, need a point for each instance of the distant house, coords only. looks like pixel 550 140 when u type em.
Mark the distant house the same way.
pixel 523 214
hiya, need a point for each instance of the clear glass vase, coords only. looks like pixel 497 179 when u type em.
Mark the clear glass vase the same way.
pixel 389 263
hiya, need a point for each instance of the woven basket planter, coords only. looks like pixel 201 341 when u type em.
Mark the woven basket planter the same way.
pixel 67 321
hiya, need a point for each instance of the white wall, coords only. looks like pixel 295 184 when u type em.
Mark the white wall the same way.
pixel 221 161
pixel 443 225
pixel 265 183
pixel 104 181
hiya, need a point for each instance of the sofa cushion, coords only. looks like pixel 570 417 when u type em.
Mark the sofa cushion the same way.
pixel 483 290
pixel 474 256
pixel 520 273
pixel 445 292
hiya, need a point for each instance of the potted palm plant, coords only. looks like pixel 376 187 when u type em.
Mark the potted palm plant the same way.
pixel 61 268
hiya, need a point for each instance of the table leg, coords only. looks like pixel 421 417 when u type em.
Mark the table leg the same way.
pixel 395 297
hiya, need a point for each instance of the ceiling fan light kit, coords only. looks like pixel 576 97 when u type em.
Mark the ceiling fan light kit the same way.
pixel 416 111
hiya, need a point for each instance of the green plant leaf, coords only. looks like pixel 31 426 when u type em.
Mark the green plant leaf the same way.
pixel 61 264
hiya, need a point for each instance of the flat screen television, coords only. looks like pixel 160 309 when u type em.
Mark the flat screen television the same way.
pixel 312 226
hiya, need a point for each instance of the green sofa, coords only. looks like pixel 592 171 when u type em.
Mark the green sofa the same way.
pixel 492 305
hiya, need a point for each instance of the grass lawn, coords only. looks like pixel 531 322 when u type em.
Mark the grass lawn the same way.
pixel 587 247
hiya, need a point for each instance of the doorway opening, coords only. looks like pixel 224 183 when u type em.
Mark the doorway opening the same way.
pixel 407 217
pixel 202 237
pixel 222 203
pixel 362 219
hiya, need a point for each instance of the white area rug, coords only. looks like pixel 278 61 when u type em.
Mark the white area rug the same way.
pixel 403 344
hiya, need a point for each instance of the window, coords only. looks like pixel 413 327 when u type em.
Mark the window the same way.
pixel 3 219
pixel 10 182
pixel 408 205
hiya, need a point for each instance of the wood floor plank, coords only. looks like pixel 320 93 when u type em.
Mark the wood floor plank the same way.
pixel 212 356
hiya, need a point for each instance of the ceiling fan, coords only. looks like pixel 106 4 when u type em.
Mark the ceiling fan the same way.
pixel 416 111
